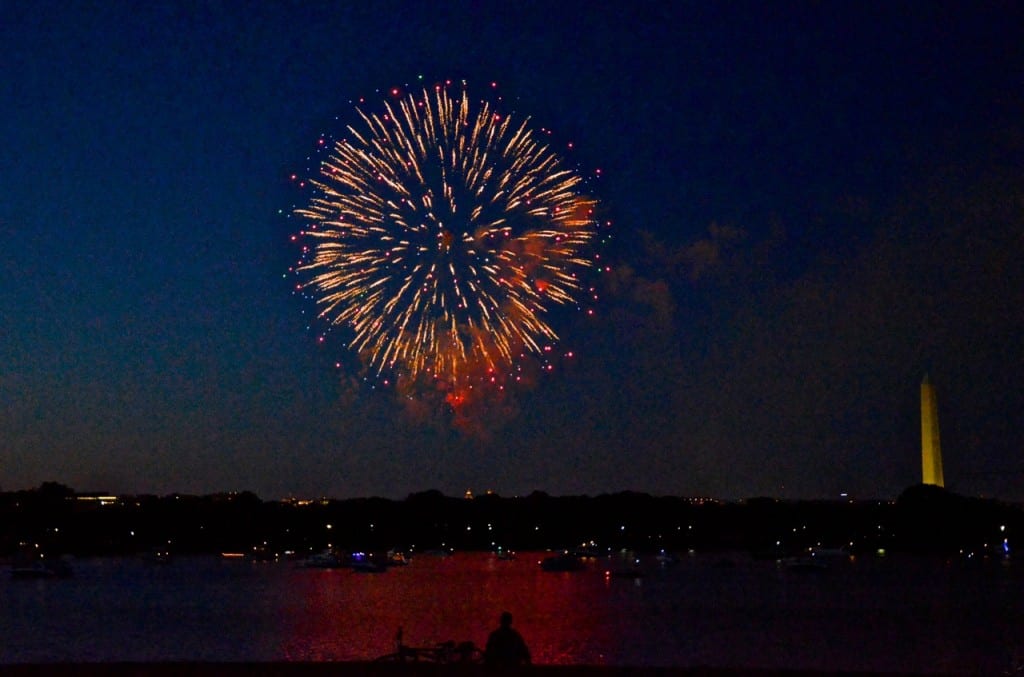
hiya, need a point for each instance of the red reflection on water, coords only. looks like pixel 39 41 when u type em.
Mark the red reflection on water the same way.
pixel 343 615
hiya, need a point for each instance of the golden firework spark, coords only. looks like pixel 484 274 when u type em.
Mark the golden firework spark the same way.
pixel 441 234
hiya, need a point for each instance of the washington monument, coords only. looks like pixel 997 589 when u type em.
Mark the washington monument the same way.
pixel 931 452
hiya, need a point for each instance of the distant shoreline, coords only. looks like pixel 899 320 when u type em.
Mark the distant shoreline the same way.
pixel 923 519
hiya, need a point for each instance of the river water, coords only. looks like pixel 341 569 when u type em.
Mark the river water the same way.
pixel 869 614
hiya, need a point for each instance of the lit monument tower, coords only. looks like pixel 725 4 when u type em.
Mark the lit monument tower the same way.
pixel 931 452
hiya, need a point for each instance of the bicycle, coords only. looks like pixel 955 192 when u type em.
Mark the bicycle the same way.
pixel 444 653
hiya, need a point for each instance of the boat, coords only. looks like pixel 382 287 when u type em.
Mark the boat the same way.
pixel 803 563
pixel 834 555
pixel 634 573
pixel 158 556
pixel 326 559
pixel 438 552
pixel 667 559
pixel 262 553
pixel 585 551
pixel 563 562
pixel 505 554
pixel 630 574
pixel 368 567
pixel 362 563
pixel 630 569
pixel 396 558
pixel 35 564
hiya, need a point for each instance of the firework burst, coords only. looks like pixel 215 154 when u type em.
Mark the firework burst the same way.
pixel 440 233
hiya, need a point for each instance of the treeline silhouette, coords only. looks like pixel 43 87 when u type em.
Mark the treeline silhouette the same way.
pixel 924 519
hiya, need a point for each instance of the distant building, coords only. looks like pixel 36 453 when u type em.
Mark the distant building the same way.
pixel 931 451
pixel 97 498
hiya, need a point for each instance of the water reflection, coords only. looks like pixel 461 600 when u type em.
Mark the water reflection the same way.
pixel 341 616
pixel 898 615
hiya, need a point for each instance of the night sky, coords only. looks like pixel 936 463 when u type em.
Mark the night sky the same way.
pixel 813 205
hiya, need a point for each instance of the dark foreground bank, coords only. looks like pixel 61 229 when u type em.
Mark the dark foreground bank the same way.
pixel 354 669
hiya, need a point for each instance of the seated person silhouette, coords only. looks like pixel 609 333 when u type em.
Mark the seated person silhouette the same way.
pixel 505 646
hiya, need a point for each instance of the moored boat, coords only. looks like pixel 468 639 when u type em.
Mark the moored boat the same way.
pixel 563 562
pixel 505 554
pixel 396 558
pixel 326 559
pixel 32 563
pixel 803 563
pixel 363 563
pixel 158 556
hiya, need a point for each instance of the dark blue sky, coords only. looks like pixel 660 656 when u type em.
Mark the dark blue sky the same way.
pixel 814 203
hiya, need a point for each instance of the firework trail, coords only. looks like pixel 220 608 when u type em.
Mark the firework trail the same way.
pixel 440 234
